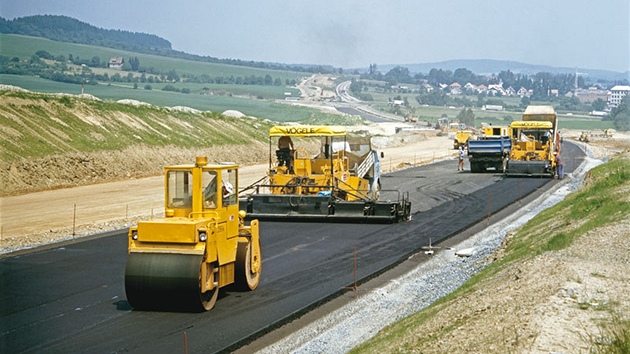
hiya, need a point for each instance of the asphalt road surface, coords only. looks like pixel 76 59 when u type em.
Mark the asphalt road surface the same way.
pixel 71 298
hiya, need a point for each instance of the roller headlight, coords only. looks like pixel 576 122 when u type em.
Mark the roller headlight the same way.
pixel 134 235
pixel 203 236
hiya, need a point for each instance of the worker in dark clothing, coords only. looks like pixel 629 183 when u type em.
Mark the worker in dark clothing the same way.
pixel 285 146
pixel 559 166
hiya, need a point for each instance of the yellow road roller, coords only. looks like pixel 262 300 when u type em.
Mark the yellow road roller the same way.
pixel 202 244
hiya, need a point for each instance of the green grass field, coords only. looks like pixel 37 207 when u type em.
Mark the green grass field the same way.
pixel 217 103
pixel 252 100
pixel 24 47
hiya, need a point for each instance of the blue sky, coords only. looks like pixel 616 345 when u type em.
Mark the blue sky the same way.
pixel 585 34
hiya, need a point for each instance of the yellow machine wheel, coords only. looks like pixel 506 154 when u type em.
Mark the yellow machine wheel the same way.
pixel 248 268
pixel 209 298
pixel 157 281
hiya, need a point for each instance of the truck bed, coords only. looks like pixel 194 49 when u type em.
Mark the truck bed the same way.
pixel 486 153
pixel 490 145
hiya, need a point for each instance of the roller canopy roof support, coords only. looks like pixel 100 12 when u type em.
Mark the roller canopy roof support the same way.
pixel 532 124
pixel 306 130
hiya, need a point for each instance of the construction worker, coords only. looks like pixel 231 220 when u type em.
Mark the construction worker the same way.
pixel 545 138
pixel 559 166
pixel 460 167
pixel 285 146
pixel 227 190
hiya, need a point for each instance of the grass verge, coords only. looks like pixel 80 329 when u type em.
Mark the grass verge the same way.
pixel 602 201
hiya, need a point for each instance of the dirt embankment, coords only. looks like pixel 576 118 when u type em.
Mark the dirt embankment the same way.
pixel 52 141
pixel 81 169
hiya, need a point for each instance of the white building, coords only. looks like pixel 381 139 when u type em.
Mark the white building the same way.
pixel 116 63
pixel 616 94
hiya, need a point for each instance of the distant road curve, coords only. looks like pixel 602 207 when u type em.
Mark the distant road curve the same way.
pixel 342 91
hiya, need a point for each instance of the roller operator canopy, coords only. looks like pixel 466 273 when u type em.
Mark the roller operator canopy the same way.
pixel 531 125
pixel 306 130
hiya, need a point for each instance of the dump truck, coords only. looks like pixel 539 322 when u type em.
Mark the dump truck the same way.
pixel 488 153
pixel 180 261
pixel 535 141
pixel 461 138
pixel 490 150
pixel 340 182
pixel 411 118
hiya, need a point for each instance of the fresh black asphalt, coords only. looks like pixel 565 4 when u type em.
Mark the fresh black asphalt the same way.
pixel 70 297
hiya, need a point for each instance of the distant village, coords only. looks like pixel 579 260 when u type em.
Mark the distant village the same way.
pixel 612 96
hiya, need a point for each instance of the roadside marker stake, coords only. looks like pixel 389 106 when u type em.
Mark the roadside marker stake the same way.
pixel 185 343
pixel 520 191
pixel 354 287
pixel 74 220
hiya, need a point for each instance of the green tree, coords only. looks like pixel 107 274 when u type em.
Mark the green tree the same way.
pixel 467 117
pixel 172 76
pixel 525 101
pixel 135 63
pixel 599 105
pixel 372 69
pixel 439 76
pixel 464 76
pixel 397 74
pixel 170 88
pixel 268 80
pixel 435 98
pixel 356 87
pixel 44 54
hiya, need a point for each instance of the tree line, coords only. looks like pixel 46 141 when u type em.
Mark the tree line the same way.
pixel 541 83
pixel 57 68
pixel 67 29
